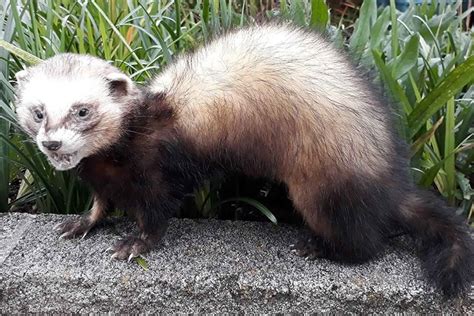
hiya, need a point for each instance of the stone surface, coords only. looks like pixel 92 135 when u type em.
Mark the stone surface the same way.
pixel 201 266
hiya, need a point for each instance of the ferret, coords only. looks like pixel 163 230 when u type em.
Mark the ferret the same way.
pixel 274 101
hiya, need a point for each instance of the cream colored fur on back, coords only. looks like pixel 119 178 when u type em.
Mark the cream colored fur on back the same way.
pixel 291 87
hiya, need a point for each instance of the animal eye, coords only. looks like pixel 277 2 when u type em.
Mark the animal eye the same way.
pixel 38 115
pixel 83 113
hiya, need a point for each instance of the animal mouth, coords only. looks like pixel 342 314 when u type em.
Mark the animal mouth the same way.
pixel 64 158
pixel 64 161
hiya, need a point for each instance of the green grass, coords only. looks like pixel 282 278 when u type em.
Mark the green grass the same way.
pixel 423 58
pixel 427 64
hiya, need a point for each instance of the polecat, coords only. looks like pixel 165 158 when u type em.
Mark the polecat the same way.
pixel 270 101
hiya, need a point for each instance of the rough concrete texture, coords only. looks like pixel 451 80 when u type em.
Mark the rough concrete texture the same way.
pixel 202 266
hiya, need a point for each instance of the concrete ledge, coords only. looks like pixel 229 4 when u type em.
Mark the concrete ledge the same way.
pixel 202 266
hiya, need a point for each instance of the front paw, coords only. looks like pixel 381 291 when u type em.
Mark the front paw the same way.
pixel 129 248
pixel 73 228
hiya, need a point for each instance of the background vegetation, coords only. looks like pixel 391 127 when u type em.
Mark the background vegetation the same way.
pixel 422 56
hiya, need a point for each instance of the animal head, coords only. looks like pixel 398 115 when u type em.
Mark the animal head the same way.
pixel 73 106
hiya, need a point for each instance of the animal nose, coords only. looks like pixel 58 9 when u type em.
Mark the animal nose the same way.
pixel 52 145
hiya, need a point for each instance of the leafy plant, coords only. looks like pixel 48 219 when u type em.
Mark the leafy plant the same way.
pixel 425 60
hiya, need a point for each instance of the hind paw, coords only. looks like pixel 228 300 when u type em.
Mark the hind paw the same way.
pixel 129 248
pixel 309 247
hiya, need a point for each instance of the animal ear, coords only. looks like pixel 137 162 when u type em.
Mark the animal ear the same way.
pixel 21 77
pixel 119 83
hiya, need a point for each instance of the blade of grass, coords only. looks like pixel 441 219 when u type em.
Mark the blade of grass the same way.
pixel 319 14
pixel 259 206
pixel 360 37
pixel 205 11
pixel 90 35
pixel 396 91
pixel 394 33
pixel 423 139
pixel 18 25
pixel 446 89
pixel 407 59
pixel 379 28
pixel 29 58
pixel 4 168
pixel 105 40
pixel 449 164
pixel 297 12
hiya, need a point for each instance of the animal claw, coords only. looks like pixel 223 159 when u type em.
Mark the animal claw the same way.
pixel 132 255
pixel 114 256
pixel 63 236
pixel 85 234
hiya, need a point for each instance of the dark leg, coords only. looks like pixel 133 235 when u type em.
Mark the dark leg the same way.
pixel 348 222
pixel 134 246
pixel 79 227
pixel 179 173
pixel 311 244
pixel 153 223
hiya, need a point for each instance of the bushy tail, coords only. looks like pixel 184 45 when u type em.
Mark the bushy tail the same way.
pixel 447 249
